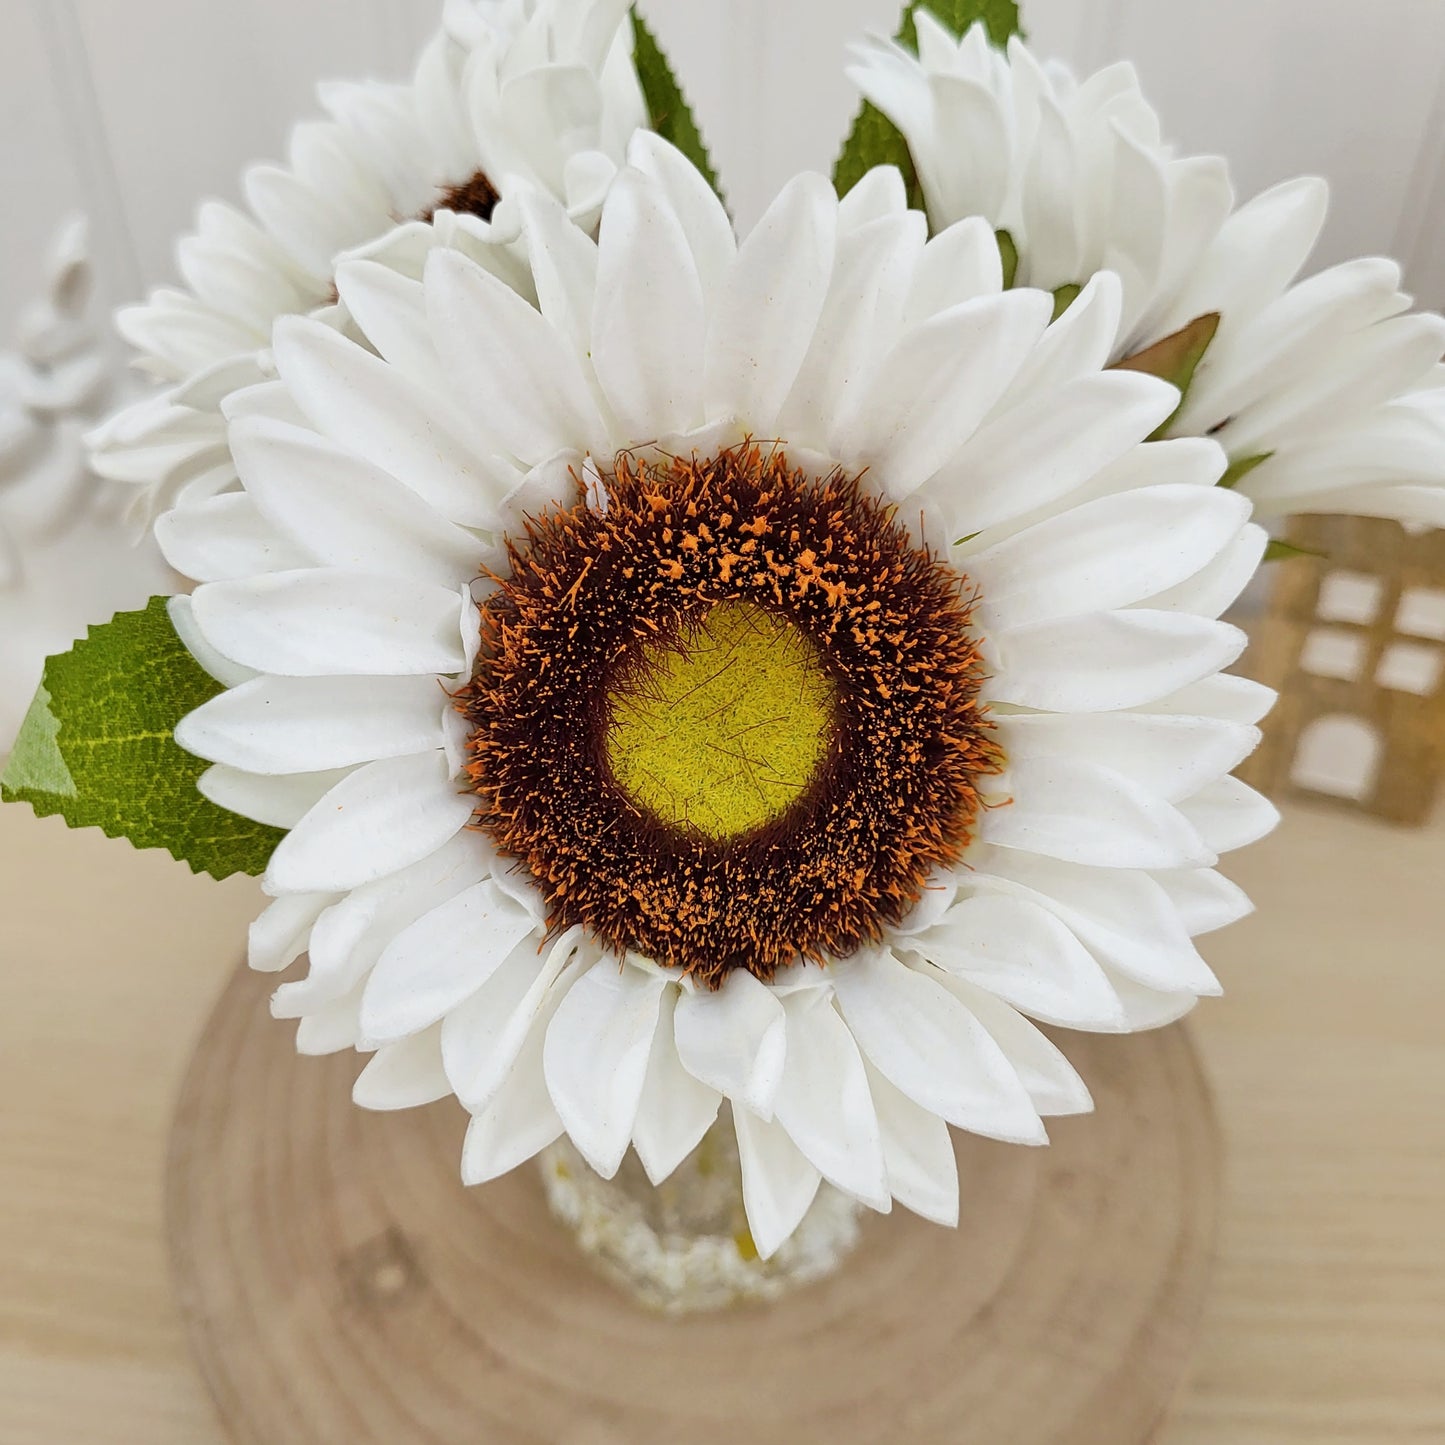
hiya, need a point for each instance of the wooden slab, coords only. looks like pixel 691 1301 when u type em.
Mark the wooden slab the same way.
pixel 342 1288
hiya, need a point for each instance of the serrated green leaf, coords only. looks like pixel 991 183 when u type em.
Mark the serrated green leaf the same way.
pixel 35 761
pixel 1001 17
pixel 1282 551
pixel 874 140
pixel 1241 468
pixel 97 748
pixel 667 106
pixel 1175 359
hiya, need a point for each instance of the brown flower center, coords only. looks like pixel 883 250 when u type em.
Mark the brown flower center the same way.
pixel 732 719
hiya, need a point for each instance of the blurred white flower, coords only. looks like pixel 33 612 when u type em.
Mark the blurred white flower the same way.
pixel 508 93
pixel 1326 395
pixel 65 557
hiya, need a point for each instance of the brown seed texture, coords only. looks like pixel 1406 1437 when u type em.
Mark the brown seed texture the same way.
pixel 593 592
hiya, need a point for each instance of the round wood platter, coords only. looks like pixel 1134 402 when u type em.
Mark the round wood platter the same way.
pixel 341 1287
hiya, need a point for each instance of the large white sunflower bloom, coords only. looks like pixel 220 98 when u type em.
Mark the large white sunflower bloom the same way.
pixel 1325 393
pixel 740 776
pixel 480 117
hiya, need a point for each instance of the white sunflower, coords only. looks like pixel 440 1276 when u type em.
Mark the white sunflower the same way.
pixel 1326 395
pixel 740 776
pixel 480 116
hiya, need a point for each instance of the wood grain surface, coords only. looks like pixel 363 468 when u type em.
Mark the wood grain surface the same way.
pixel 1324 1325
pixel 340 1285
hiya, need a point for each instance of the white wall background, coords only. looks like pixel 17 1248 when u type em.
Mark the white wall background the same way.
pixel 135 109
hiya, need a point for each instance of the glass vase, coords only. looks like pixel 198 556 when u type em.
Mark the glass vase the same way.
pixel 684 1246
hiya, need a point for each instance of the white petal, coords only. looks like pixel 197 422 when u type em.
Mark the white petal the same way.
pixel 1078 344
pixel 519 1118
pixel 961 263
pixel 1083 813
pixel 596 1057
pixel 779 1185
pixel 443 959
pixel 1146 1008
pixel 379 820
pixel 280 935
pixel 1042 449
pixel 345 512
pixel 225 537
pixel 918 1153
pixel 564 267
pixel 1052 1084
pixel 512 371
pixel 824 1102
pixel 375 410
pixel 332 1029
pixel 181 611
pixel 311 724
pixel 1204 899
pixel 938 897
pixel 1258 252
pixel 1235 699
pixel 1107 553
pixel 858 325
pixel 933 1049
pixel 1360 371
pixel 350 936
pixel 404 1075
pixel 1109 661
pixel 974 178
pixel 1051 209
pixel 735 1040
pixel 1175 461
pixel 1125 919
pixel 649 323
pixel 676 1111
pixel 702 216
pixel 881 192
pixel 1172 756
pixel 1217 587
pixel 278 802
pixel 1286 340
pixel 391 310
pixel 762 322
pixel 330 621
pixel 1230 815
pixel 936 386
pixel 482 1038
pixel 1020 952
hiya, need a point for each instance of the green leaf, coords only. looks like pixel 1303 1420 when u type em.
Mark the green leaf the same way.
pixel 1241 468
pixel 1281 551
pixel 874 139
pixel 667 107
pixel 1001 17
pixel 35 762
pixel 97 749
pixel 1175 359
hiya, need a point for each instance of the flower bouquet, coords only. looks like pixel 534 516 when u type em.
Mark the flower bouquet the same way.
pixel 709 695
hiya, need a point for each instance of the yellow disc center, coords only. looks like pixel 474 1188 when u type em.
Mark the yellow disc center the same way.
pixel 722 730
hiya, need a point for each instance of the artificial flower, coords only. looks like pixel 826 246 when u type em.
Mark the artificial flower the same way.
pixel 1326 394
pixel 769 670
pixel 60 565
pixel 508 93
